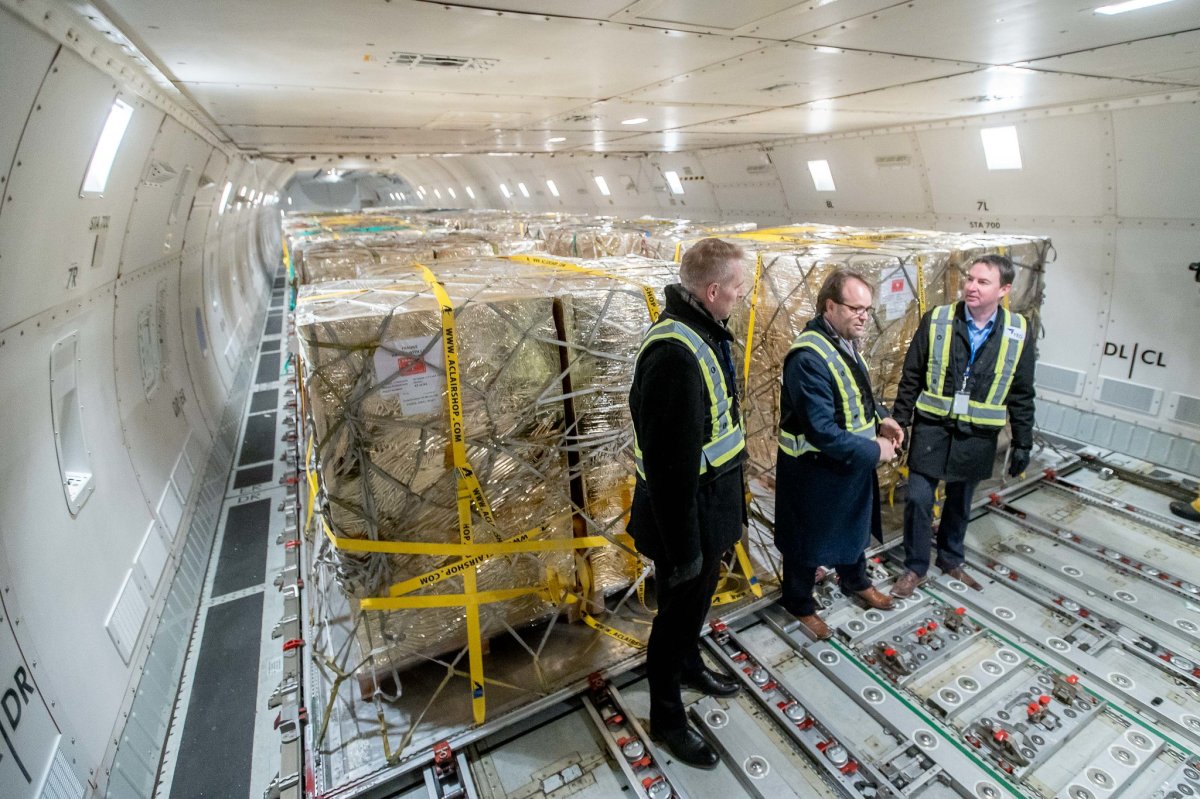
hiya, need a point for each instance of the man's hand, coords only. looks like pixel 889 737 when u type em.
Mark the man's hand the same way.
pixel 1018 461
pixel 890 429
pixel 887 450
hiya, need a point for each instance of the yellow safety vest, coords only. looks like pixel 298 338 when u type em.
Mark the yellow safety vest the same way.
pixel 992 411
pixel 854 412
pixel 726 439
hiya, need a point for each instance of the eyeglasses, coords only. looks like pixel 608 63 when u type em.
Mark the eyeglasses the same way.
pixel 857 310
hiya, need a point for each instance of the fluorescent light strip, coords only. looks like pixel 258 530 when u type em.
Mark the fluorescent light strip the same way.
pixel 674 182
pixel 602 184
pixel 822 177
pixel 470 192
pixel 225 198
pixel 96 178
pixel 504 190
pixel 552 187
pixel 453 196
pixel 1001 148
pixel 1130 5
pixel 634 121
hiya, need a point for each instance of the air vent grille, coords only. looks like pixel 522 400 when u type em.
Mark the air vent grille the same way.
pixel 1133 396
pixel 888 161
pixel 1059 378
pixel 1187 410
pixel 451 62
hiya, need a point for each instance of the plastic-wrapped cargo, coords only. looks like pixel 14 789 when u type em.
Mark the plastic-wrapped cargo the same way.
pixel 546 357
pixel 795 260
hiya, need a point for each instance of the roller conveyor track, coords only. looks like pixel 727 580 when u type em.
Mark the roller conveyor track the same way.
pixel 1047 683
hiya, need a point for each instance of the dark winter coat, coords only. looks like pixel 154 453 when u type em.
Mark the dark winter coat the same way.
pixel 677 514
pixel 826 502
pixel 953 450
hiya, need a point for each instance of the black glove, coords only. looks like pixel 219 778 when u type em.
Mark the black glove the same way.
pixel 1018 461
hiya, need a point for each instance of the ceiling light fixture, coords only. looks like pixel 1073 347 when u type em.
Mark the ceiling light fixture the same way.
pixel 470 192
pixel 634 121
pixel 1001 148
pixel 524 191
pixel 602 184
pixel 822 177
pixel 107 145
pixel 1130 5
pixel 504 190
pixel 552 187
pixel 556 140
pixel 674 182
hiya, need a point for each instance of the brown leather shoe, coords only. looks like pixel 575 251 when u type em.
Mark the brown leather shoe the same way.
pixel 874 598
pixel 905 585
pixel 960 574
pixel 816 627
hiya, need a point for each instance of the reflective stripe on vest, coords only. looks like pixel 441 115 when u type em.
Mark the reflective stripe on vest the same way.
pixel 725 439
pixel 992 411
pixel 853 411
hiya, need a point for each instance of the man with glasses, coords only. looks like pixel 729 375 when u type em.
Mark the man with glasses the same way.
pixel 832 435
pixel 968 371
pixel 688 502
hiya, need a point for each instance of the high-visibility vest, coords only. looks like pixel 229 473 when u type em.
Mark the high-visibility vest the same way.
pixel 725 438
pixel 992 410
pixel 854 414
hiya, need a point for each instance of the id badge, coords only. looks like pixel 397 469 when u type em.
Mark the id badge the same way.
pixel 961 404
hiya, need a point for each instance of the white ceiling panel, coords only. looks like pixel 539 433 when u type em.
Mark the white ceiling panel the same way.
pixel 1166 58
pixel 676 140
pixel 276 75
pixel 286 106
pixel 607 115
pixel 813 120
pixel 788 74
pixel 994 90
pixel 1002 31
pixel 288 43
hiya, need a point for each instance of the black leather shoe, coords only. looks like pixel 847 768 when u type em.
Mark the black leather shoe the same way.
pixel 688 746
pixel 711 683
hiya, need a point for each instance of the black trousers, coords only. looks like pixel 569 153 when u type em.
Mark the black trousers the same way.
pixel 674 649
pixel 918 522
pixel 800 578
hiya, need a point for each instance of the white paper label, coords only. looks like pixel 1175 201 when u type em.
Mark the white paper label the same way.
pixel 895 293
pixel 413 371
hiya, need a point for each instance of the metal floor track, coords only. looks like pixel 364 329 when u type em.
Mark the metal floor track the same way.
pixel 224 743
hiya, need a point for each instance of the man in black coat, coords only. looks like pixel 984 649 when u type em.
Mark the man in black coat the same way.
pixel 689 501
pixel 969 368
pixel 832 437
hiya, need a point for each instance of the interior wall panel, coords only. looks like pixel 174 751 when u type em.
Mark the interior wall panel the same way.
pixel 59 245
pixel 71 568
pixel 870 174
pixel 152 233
pixel 1052 148
pixel 25 57
pixel 1158 172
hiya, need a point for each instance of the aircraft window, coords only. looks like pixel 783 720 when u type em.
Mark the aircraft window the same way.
pixel 821 176
pixel 1001 148
pixel 96 178
pixel 74 460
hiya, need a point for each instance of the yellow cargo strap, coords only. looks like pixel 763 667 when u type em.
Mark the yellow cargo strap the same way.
pixel 600 626
pixel 647 292
pixel 921 285
pixel 747 569
pixel 507 547
pixel 466 491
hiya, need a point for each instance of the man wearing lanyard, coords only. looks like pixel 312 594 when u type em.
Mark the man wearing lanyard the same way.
pixel 968 371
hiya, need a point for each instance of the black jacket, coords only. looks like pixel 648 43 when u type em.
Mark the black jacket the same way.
pixel 956 450
pixel 678 516
pixel 826 502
